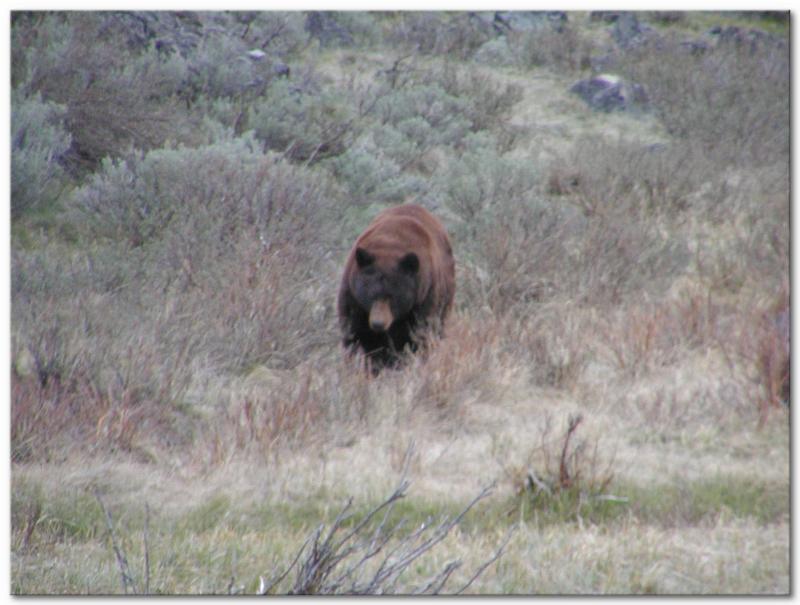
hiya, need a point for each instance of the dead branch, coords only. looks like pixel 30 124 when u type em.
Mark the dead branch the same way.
pixel 122 561
pixel 336 561
pixel 564 478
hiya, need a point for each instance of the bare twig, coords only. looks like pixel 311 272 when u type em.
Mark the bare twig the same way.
pixel 436 584
pixel 122 561
pixel 265 588
pixel 486 565
pixel 333 565
pixel 33 517
pixel 533 480
pixel 564 478
pixel 146 549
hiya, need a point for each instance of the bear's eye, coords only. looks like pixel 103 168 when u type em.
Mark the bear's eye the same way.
pixel 410 263
pixel 363 258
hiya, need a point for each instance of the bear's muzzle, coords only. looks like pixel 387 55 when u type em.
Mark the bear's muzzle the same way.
pixel 380 316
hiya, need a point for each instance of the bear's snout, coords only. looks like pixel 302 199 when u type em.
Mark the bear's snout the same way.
pixel 380 316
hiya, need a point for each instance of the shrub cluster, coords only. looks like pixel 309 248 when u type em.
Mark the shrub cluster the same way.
pixel 203 259
pixel 730 99
pixel 39 140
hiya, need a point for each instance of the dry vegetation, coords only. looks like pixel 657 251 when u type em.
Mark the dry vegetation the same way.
pixel 617 364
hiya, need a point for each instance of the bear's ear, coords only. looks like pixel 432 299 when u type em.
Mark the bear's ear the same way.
pixel 410 263
pixel 364 258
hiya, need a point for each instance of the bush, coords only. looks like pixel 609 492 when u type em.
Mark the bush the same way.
pixel 214 259
pixel 430 33
pixel 275 32
pixel 91 371
pixel 486 103
pixel 563 49
pixel 303 123
pixel 482 180
pixel 652 182
pixel 113 99
pixel 39 141
pixel 371 174
pixel 563 477
pixel 423 115
pixel 225 213
pixel 370 554
pixel 230 183
pixel 496 220
pixel 731 100
pixel 220 67
pixel 496 53
pixel 632 199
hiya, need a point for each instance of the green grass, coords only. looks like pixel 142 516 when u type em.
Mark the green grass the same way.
pixel 73 517
pixel 668 505
pixel 200 548
pixel 705 500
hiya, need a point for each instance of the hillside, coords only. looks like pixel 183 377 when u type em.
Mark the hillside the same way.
pixel 185 189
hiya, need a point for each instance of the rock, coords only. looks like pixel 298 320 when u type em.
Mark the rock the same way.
pixel 280 69
pixel 529 20
pixel 277 67
pixel 256 54
pixel 609 92
pixel 751 39
pixel 25 363
pixel 604 16
pixel 696 47
pixel 169 31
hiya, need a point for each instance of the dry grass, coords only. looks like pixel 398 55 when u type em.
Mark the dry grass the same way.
pixel 765 343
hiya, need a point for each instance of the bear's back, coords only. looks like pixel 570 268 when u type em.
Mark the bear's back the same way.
pixel 405 228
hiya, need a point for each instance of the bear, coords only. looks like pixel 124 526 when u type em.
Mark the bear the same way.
pixel 398 284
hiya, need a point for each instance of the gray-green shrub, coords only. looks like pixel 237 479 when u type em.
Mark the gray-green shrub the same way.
pixel 39 141
pixel 732 100
pixel 113 99
pixel 230 235
pixel 304 123
pixel 371 174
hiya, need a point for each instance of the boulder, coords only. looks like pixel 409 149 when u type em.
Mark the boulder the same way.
pixel 604 16
pixel 529 20
pixel 609 92
pixel 751 40
pixel 256 54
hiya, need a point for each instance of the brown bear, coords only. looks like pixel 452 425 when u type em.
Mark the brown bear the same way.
pixel 398 282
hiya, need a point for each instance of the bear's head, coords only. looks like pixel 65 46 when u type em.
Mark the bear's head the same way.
pixel 385 289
